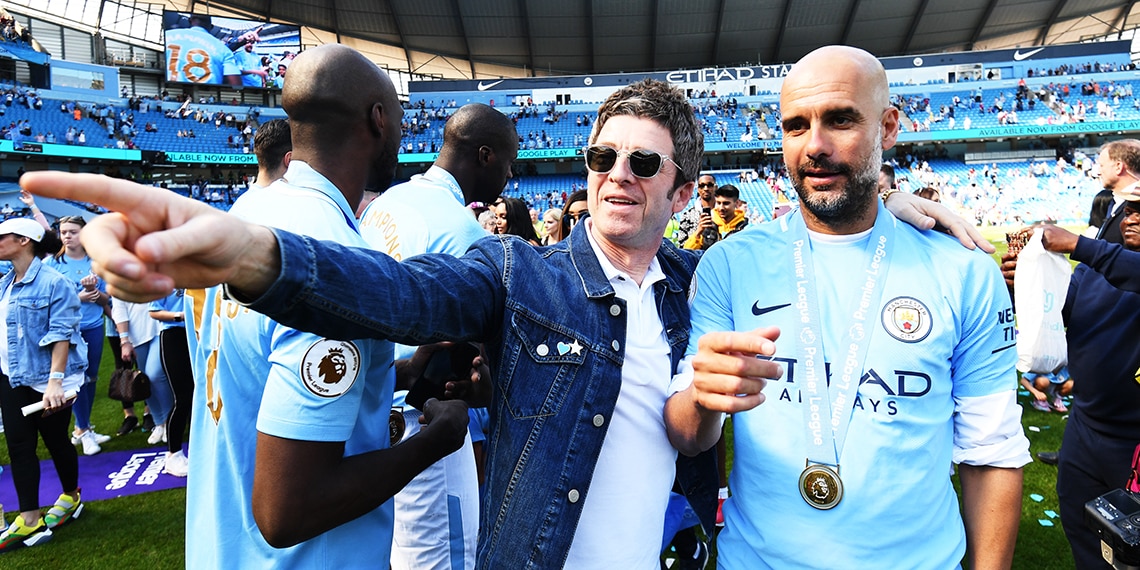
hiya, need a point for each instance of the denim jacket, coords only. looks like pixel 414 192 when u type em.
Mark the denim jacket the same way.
pixel 550 411
pixel 43 309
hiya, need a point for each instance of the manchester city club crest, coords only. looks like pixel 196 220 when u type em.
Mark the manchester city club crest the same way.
pixel 330 367
pixel 907 319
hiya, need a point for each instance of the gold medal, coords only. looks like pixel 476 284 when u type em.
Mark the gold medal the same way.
pixel 821 487
pixel 396 426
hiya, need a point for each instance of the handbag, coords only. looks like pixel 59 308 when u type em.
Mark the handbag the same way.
pixel 129 385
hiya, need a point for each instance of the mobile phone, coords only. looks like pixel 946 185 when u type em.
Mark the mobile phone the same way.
pixel 706 211
pixel 444 366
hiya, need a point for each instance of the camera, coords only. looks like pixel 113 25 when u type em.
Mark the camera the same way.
pixel 1115 516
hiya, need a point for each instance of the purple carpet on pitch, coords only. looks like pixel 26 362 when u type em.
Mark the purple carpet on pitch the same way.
pixel 107 475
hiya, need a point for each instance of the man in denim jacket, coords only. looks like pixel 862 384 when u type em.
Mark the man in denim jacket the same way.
pixel 579 465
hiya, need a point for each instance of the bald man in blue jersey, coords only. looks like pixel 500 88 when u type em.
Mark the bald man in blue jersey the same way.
pixel 896 362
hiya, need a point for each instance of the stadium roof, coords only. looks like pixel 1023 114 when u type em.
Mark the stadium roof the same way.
pixel 492 38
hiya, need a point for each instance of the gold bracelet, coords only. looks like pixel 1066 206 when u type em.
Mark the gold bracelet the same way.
pixel 887 194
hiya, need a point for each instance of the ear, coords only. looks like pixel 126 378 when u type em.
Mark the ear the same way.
pixel 376 119
pixel 287 159
pixel 890 124
pixel 486 155
pixel 682 196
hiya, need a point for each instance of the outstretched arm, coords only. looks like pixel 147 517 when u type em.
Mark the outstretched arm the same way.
pixel 155 240
pixel 926 214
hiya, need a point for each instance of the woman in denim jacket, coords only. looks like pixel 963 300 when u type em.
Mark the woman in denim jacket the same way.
pixel 43 357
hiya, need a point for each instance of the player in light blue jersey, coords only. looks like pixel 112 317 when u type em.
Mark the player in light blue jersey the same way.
pixel 194 55
pixel 291 465
pixel 437 513
pixel 253 74
pixel 896 350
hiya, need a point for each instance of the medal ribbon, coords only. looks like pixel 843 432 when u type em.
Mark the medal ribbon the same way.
pixel 827 407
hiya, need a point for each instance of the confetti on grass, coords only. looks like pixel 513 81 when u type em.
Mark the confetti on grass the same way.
pixel 1045 522
pixel 1051 514
pixel 1036 497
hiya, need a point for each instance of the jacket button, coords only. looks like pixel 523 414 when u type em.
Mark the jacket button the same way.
pixel 542 350
pixel 616 345
pixel 599 420
pixel 572 495
pixel 615 309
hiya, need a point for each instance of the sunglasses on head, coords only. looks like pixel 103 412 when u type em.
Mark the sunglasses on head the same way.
pixel 643 163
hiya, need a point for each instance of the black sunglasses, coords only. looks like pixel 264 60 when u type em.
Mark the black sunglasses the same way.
pixel 643 163
pixel 707 185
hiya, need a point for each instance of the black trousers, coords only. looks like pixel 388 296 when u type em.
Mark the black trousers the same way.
pixel 176 364
pixel 22 435
pixel 1090 465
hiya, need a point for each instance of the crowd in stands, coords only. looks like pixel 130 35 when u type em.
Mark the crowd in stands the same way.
pixel 11 31
pixel 1087 67
pixel 141 124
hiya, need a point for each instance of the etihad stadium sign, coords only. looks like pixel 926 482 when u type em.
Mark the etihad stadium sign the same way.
pixel 712 74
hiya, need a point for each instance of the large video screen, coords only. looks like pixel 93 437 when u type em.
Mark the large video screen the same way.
pixel 212 50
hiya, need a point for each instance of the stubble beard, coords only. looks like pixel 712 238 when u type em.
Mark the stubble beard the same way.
pixel 848 207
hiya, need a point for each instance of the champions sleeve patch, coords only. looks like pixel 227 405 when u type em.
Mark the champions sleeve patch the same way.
pixel 330 367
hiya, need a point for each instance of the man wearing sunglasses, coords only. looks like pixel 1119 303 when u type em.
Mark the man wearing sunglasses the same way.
pixel 695 217
pixel 921 371
pixel 579 465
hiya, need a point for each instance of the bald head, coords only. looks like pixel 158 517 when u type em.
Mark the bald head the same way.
pixel 479 147
pixel 840 62
pixel 330 91
pixel 345 118
pixel 475 125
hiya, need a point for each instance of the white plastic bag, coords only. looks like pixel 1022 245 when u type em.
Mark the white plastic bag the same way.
pixel 1039 289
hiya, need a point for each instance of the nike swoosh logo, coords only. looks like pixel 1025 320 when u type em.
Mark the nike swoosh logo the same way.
pixel 1018 56
pixel 485 86
pixel 756 310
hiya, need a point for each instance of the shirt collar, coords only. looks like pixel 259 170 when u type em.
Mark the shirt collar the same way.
pixel 438 174
pixel 302 175
pixel 615 275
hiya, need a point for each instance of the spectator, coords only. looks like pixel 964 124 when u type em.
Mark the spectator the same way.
pixel 512 218
pixel 72 262
pixel 552 224
pixel 726 215
pixel 42 358
pixel 176 366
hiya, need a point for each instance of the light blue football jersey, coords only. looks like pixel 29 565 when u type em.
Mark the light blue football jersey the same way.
pixel 252 374
pixel 941 331
pixel 193 55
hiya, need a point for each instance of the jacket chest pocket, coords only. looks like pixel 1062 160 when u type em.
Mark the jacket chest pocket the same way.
pixel 32 315
pixel 541 365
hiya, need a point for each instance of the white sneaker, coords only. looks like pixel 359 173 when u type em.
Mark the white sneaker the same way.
pixel 99 438
pixel 157 435
pixel 90 445
pixel 176 464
